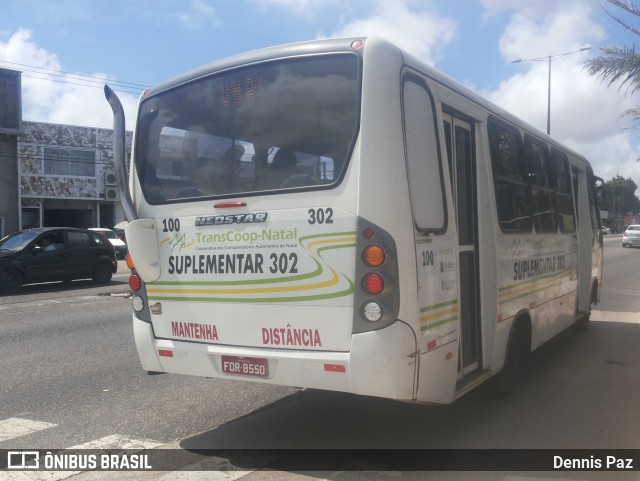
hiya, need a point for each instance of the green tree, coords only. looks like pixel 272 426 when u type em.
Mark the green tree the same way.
pixel 621 199
pixel 620 65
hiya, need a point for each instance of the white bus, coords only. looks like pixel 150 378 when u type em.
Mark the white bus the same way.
pixel 338 215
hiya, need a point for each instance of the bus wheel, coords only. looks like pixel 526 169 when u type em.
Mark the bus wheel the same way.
pixel 582 323
pixel 515 361
pixel 11 281
pixel 102 273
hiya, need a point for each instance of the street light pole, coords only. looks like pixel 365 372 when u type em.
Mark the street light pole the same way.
pixel 549 98
pixel 548 59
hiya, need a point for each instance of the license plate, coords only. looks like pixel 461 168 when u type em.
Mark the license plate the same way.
pixel 245 366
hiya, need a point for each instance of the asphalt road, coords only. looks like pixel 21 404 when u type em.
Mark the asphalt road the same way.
pixel 72 362
pixel 67 358
pixel 52 291
pixel 621 290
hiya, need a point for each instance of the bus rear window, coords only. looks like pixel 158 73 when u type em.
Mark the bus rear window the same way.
pixel 269 127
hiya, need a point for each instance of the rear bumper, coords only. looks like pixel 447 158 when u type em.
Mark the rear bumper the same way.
pixel 631 241
pixel 380 363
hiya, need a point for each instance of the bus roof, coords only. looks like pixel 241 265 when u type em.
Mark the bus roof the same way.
pixel 312 47
pixel 337 45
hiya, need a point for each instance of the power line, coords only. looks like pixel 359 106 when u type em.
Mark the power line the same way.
pixel 88 79
pixel 121 82
pixel 81 85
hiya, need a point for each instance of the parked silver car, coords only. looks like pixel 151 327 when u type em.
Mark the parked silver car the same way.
pixel 631 236
pixel 118 244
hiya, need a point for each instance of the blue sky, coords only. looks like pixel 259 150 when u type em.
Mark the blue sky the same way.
pixel 145 42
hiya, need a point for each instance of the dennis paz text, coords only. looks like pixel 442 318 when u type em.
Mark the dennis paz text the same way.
pixel 593 462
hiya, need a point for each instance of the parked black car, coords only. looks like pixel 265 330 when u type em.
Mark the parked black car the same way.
pixel 54 254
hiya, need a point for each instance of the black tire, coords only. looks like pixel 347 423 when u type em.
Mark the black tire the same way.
pixel 582 324
pixel 102 273
pixel 515 362
pixel 11 281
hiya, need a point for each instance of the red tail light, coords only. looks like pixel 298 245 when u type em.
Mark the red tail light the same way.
pixel 373 284
pixel 134 282
pixel 377 294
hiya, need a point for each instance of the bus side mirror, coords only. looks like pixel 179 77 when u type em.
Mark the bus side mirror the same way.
pixel 601 193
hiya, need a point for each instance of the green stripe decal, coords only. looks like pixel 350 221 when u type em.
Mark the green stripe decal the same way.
pixel 525 288
pixel 438 315
pixel 439 306
pixel 322 236
pixel 242 300
pixel 439 323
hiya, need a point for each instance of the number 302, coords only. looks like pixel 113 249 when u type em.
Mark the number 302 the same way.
pixel 320 216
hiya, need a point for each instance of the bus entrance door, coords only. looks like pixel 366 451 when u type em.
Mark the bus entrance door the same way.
pixel 460 150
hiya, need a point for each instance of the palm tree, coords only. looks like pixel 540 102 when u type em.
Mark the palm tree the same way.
pixel 620 64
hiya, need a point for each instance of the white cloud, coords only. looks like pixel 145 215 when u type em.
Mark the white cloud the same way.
pixel 200 12
pixel 20 47
pixel 567 28
pixel 530 8
pixel 615 154
pixel 56 97
pixel 581 106
pixel 421 33
pixel 298 6
pixel 585 114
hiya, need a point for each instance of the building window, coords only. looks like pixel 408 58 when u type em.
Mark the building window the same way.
pixel 9 100
pixel 69 162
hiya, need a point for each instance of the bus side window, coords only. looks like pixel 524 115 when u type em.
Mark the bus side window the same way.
pixel 541 192
pixel 561 181
pixel 593 204
pixel 512 189
pixel 423 158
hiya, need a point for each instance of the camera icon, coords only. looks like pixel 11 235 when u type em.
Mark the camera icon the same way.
pixel 23 460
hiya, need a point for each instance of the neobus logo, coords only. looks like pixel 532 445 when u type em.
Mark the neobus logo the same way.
pixel 231 219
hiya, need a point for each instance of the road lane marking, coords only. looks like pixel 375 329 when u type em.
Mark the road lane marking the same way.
pixel 115 441
pixel 614 316
pixel 46 302
pixel 15 427
pixel 118 441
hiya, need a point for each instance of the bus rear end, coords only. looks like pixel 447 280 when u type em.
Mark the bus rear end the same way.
pixel 250 261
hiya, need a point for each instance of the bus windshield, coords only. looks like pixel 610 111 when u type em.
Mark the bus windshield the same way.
pixel 273 126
